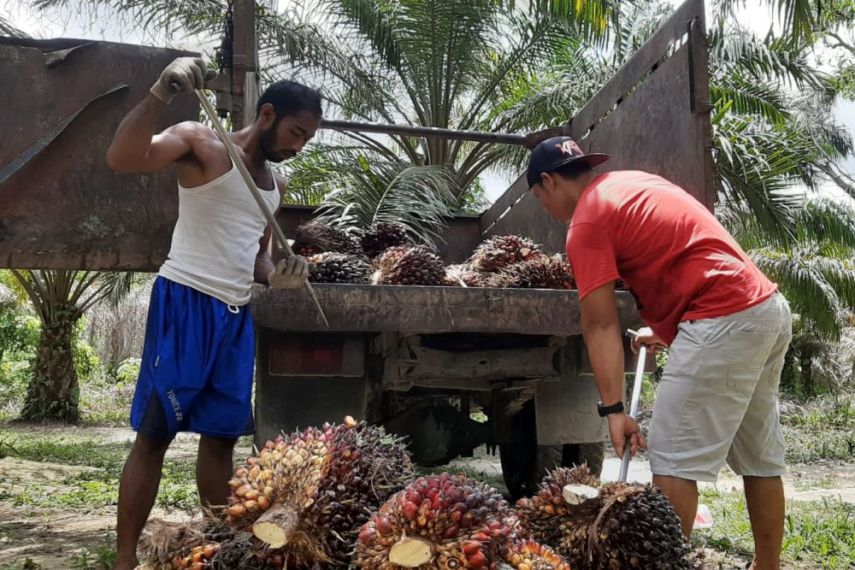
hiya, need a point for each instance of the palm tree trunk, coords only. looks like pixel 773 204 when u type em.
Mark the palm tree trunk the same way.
pixel 53 392
pixel 807 377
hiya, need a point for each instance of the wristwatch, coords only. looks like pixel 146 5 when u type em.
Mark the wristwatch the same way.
pixel 611 409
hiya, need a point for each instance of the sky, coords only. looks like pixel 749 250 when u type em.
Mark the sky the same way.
pixel 63 23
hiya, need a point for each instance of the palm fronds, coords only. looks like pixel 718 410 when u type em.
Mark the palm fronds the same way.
pixel 802 278
pixel 799 18
pixel 9 29
pixel 372 192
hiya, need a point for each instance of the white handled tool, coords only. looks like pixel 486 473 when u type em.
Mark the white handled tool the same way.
pixel 633 407
pixel 278 234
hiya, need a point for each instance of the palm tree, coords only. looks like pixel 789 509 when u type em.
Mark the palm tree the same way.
pixel 767 140
pixel 815 270
pixel 60 298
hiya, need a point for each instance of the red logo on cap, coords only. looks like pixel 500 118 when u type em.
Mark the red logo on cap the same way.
pixel 570 148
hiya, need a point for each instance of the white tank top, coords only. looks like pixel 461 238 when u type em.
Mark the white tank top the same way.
pixel 215 241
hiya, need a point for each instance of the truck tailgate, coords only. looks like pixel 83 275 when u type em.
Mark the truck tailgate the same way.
pixel 367 308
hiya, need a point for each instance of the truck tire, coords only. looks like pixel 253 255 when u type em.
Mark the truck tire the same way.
pixel 524 462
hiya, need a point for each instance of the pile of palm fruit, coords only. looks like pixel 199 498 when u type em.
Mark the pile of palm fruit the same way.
pixel 386 255
pixel 346 496
pixel 297 503
pixel 604 526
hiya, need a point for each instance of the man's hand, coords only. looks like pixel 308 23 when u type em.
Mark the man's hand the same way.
pixel 183 74
pixel 648 338
pixel 621 427
pixel 290 273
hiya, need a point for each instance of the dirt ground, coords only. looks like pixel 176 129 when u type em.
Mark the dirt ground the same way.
pixel 51 535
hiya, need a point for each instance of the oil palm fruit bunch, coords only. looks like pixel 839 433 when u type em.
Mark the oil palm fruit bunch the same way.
pixel 166 545
pixel 306 495
pixel 339 268
pixel 383 236
pixel 526 554
pixel 316 237
pixel 498 252
pixel 409 265
pixel 604 526
pixel 200 557
pixel 463 275
pixel 537 272
pixel 439 522
pixel 245 552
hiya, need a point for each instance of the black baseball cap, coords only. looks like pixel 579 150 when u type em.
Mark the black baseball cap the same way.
pixel 556 152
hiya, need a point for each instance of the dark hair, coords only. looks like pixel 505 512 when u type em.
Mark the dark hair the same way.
pixel 289 98
pixel 573 170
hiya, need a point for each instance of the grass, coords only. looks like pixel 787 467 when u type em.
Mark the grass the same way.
pixel 822 429
pixel 818 533
pixel 26 564
pixel 91 489
pixel 97 558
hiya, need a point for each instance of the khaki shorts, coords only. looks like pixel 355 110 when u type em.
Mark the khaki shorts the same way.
pixel 718 399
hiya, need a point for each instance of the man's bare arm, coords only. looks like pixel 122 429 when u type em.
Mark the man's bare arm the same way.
pixel 137 149
pixel 603 337
pixel 602 334
pixel 264 265
pixel 269 252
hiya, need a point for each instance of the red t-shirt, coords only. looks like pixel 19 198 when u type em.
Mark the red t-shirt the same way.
pixel 677 259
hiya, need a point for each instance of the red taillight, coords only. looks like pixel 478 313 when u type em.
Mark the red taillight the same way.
pixel 293 355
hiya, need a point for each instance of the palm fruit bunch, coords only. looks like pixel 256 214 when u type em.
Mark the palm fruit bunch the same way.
pixel 200 557
pixel 604 526
pixel 175 546
pixel 439 522
pixel 245 552
pixel 305 495
pixel 527 554
pixel 409 265
pixel 338 268
pixel 316 237
pixel 463 275
pixel 383 236
pixel 537 272
pixel 498 252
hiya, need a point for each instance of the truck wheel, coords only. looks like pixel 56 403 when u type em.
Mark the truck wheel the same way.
pixel 524 463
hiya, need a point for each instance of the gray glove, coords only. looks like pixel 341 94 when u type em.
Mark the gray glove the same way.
pixel 183 74
pixel 290 273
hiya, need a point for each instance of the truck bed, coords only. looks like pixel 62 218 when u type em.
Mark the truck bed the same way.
pixel 425 310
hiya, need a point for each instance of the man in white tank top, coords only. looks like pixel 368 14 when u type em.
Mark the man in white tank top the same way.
pixel 197 365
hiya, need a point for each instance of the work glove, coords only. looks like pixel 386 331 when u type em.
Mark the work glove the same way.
pixel 290 273
pixel 183 74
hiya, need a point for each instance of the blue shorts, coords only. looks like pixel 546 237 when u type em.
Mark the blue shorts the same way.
pixel 197 366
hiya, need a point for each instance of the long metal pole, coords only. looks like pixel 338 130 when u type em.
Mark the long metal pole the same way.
pixel 633 409
pixel 528 140
pixel 250 183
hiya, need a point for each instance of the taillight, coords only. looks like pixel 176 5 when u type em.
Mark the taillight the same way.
pixel 313 355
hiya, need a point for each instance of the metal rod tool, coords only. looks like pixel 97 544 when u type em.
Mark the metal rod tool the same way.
pixel 530 140
pixel 633 407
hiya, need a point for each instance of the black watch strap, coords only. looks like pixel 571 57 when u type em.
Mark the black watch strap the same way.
pixel 611 409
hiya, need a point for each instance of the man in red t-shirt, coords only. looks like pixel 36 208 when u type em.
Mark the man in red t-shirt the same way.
pixel 699 293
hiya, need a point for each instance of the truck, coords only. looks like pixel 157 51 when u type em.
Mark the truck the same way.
pixel 418 360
